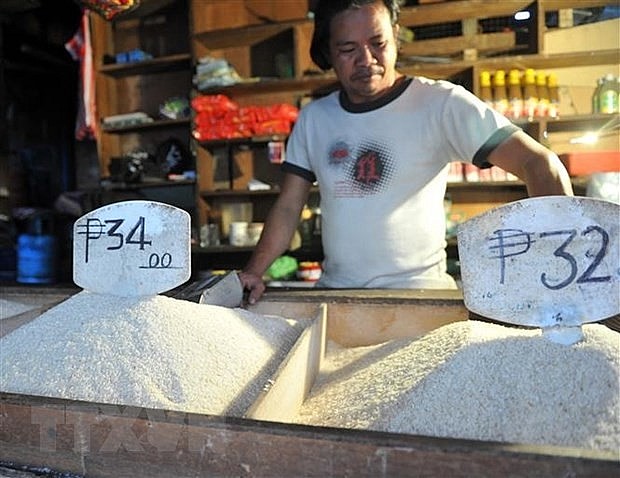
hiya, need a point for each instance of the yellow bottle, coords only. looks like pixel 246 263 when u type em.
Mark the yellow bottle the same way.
pixel 515 95
pixel 554 96
pixel 500 94
pixel 486 93
pixel 530 94
pixel 542 109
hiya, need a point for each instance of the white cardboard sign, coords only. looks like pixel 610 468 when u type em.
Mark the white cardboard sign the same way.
pixel 132 248
pixel 543 262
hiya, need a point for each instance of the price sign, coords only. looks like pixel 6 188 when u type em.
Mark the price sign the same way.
pixel 546 262
pixel 132 248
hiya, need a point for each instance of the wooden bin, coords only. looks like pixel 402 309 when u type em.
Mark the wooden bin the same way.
pixel 106 441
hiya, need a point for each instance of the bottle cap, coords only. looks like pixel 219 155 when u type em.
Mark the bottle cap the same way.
pixel 485 78
pixel 552 80
pixel 514 77
pixel 499 79
pixel 530 76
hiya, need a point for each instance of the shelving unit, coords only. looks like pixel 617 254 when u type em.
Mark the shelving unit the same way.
pixel 142 86
pixel 179 62
pixel 238 43
pixel 250 39
pixel 165 123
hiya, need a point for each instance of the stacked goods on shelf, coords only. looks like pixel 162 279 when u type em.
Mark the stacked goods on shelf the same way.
pixel 605 97
pixel 523 95
pixel 526 95
pixel 217 117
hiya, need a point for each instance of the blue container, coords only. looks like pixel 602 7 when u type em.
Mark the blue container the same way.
pixel 36 259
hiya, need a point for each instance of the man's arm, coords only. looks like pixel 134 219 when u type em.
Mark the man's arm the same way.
pixel 280 225
pixel 538 167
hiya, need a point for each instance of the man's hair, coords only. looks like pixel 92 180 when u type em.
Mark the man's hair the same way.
pixel 325 11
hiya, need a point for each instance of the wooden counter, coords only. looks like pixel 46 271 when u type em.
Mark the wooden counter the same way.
pixel 100 440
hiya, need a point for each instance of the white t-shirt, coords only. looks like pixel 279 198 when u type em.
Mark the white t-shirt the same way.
pixel 382 172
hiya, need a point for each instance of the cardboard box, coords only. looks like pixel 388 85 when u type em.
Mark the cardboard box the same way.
pixel 588 162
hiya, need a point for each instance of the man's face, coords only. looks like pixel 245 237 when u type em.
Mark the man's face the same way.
pixel 363 51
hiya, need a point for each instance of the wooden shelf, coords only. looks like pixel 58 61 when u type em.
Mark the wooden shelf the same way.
pixel 234 193
pixel 323 84
pixel 315 84
pixel 218 143
pixel 145 9
pixel 164 64
pixel 479 185
pixel 577 122
pixel 455 11
pixel 517 185
pixel 244 36
pixel 165 123
pixel 164 183
pixel 449 69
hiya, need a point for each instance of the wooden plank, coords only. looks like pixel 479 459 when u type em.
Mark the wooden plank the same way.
pixel 458 10
pixel 249 35
pixel 559 60
pixel 178 62
pixel 447 46
pixel 217 14
pixel 284 395
pixel 551 5
pixel 541 61
pixel 302 38
pixel 352 326
pixel 100 440
pixel 364 317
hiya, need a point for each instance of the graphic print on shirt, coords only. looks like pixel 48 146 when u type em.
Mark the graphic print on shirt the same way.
pixel 364 171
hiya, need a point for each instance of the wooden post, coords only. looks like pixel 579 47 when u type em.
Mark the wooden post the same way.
pixel 470 30
pixel 537 28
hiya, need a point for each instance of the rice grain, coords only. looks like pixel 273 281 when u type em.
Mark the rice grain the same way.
pixel 479 381
pixel 154 352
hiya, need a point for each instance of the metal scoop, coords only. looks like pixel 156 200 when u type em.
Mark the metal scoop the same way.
pixel 227 291
pixel 224 290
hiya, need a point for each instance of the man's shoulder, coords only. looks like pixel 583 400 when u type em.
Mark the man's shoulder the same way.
pixel 321 106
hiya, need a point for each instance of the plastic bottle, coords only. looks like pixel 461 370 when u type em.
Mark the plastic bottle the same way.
pixel 530 94
pixel 554 96
pixel 500 94
pixel 515 95
pixel 486 93
pixel 608 96
pixel 596 106
pixel 542 107
pixel 305 225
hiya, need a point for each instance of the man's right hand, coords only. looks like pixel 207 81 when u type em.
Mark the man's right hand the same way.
pixel 254 284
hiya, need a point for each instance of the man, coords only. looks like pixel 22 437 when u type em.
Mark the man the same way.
pixel 380 149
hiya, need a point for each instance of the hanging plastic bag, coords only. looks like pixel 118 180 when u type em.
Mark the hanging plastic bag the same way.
pixel 109 9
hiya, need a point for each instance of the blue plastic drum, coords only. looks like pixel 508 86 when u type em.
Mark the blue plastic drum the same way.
pixel 36 259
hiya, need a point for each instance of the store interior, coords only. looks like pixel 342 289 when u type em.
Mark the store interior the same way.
pixel 134 362
pixel 56 167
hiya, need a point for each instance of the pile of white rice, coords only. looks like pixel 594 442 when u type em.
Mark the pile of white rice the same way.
pixel 154 352
pixel 476 380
